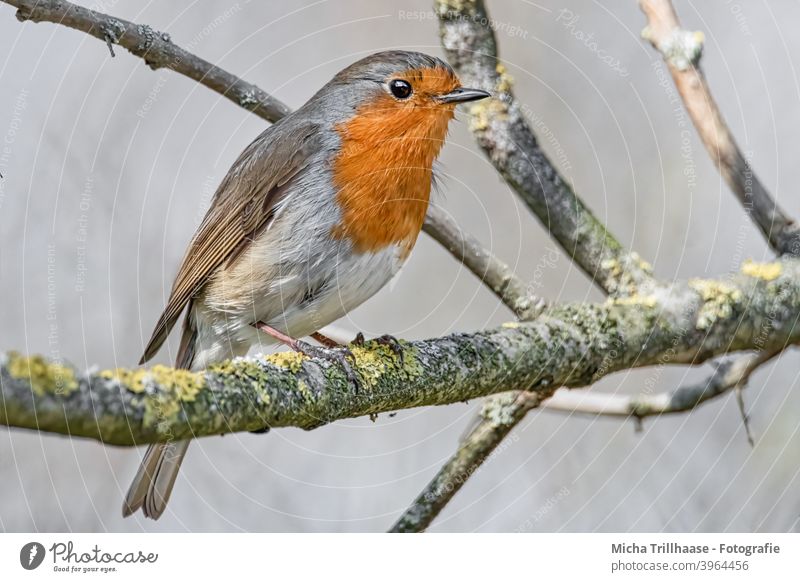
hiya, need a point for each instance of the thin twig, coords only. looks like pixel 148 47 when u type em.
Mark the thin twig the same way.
pixel 493 272
pixel 681 50
pixel 156 48
pixel 729 375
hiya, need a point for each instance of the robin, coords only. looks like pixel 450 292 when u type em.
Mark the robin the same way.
pixel 314 217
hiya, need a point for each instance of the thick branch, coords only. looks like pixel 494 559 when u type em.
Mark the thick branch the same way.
pixel 494 273
pixel 729 375
pixel 681 50
pixel 569 345
pixel 502 131
pixel 155 48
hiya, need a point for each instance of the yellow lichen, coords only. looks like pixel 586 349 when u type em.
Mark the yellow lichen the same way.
pixel 511 324
pixel 181 383
pixel 643 300
pixel 765 271
pixel 641 263
pixel 483 111
pixel 177 386
pixel 504 81
pixel 45 377
pixel 719 299
pixel 289 360
pixel 373 361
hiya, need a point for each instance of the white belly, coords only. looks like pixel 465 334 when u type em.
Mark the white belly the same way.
pixel 297 301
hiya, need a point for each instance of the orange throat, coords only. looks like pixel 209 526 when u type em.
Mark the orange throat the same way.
pixel 384 170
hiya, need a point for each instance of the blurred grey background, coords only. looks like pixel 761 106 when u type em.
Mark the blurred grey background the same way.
pixel 108 167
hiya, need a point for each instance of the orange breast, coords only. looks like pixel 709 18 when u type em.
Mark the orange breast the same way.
pixel 383 171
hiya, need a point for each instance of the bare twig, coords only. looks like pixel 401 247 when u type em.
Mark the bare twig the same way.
pixel 502 131
pixel 494 273
pixel 681 50
pixel 731 374
pixel 739 390
pixel 156 48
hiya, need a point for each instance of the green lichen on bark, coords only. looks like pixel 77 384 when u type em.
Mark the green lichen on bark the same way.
pixel 503 132
pixel 44 377
pixel 569 345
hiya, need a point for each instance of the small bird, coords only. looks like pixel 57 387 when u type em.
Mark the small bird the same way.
pixel 315 216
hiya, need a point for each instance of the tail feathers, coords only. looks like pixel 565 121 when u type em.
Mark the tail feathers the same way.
pixel 156 476
pixel 153 483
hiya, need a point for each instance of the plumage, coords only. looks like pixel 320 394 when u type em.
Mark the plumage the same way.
pixel 315 216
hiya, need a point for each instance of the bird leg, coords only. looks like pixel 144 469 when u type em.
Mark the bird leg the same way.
pixel 325 340
pixel 340 355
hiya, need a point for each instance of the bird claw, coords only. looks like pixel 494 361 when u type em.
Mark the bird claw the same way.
pixel 385 340
pixel 393 344
pixel 341 355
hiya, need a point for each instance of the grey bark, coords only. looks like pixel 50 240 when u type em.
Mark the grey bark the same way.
pixel 568 345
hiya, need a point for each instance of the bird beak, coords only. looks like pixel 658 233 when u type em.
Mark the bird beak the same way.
pixel 463 95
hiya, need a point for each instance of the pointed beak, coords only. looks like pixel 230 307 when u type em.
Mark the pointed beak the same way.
pixel 463 95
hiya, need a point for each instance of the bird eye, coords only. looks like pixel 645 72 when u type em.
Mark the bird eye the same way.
pixel 400 89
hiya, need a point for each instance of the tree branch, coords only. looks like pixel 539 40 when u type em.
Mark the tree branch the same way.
pixel 569 345
pixel 681 50
pixel 156 48
pixel 494 273
pixel 729 375
pixel 501 130
pixel 499 415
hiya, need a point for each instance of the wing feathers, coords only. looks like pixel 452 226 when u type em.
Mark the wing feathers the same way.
pixel 241 207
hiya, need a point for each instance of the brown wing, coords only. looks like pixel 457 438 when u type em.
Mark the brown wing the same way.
pixel 241 207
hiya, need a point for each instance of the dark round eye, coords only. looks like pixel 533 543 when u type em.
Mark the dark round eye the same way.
pixel 400 89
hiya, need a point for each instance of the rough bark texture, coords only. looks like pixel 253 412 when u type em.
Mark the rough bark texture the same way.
pixel 568 345
pixel 502 131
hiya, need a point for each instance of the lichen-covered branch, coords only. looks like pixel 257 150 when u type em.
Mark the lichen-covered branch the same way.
pixel 156 48
pixel 494 273
pixel 728 375
pixel 501 129
pixel 568 345
pixel 681 50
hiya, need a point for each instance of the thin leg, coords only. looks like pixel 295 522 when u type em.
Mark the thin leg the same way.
pixel 325 340
pixel 340 355
pixel 278 335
